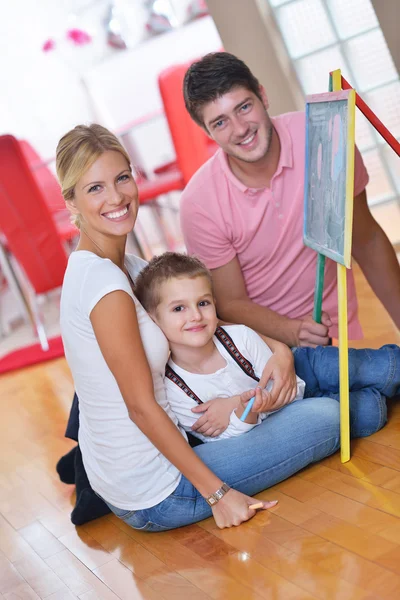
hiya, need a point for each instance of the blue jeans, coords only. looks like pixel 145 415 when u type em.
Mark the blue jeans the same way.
pixel 374 375
pixel 287 441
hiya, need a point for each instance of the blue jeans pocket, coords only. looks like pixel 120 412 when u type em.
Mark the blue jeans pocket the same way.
pixel 122 514
pixel 137 519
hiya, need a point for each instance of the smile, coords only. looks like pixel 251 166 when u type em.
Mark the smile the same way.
pixel 248 140
pixel 196 328
pixel 117 214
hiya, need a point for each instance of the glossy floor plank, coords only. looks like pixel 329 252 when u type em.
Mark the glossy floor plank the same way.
pixel 335 534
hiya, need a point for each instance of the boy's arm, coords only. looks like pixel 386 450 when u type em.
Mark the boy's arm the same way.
pixel 187 412
pixel 237 427
pixel 182 406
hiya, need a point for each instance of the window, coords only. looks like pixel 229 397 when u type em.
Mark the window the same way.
pixel 323 35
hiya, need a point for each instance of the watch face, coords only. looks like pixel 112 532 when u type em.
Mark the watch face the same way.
pixel 214 498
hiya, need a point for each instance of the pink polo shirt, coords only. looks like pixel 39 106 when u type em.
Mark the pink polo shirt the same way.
pixel 222 218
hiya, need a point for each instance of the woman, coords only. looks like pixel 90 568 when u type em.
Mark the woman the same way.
pixel 136 457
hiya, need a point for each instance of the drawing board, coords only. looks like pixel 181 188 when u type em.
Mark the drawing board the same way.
pixel 329 174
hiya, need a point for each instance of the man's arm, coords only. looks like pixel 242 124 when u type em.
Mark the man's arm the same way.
pixel 235 306
pixel 376 256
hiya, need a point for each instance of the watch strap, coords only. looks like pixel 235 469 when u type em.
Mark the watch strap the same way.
pixel 216 496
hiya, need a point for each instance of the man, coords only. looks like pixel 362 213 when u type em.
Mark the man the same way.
pixel 242 214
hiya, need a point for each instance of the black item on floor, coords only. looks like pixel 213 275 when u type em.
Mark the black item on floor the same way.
pixel 70 469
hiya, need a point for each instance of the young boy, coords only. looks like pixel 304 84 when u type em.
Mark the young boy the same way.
pixel 210 362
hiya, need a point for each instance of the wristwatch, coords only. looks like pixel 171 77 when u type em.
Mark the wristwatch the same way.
pixel 216 496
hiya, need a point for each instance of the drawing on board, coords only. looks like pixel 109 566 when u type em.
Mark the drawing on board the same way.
pixel 327 214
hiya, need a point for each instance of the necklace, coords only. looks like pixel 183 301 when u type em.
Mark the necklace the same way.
pixel 125 271
pixel 92 240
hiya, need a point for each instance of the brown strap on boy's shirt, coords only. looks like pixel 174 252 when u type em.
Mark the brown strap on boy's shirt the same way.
pixel 240 360
pixel 243 363
pixel 174 377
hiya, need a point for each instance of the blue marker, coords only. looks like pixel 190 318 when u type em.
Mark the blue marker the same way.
pixel 247 409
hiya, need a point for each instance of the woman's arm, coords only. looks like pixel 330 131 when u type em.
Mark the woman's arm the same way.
pixel 117 331
pixel 279 368
pixel 215 414
pixel 115 324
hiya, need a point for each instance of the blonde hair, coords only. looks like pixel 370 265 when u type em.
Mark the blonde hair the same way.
pixel 76 152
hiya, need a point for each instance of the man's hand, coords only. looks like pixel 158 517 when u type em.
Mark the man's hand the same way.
pixel 314 334
pixel 215 415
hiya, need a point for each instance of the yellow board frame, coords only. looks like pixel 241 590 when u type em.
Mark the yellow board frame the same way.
pixel 342 279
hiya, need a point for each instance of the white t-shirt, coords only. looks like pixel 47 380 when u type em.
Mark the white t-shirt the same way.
pixel 122 465
pixel 231 380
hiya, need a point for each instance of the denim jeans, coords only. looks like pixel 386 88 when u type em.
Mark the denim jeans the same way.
pixel 290 439
pixel 287 441
pixel 374 375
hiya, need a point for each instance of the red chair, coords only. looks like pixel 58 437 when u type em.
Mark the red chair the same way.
pixel 169 180
pixel 50 190
pixel 29 232
pixel 192 146
pixel 53 197
pixel 149 190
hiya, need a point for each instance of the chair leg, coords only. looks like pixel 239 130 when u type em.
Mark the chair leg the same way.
pixel 14 285
pixel 157 212
pixel 38 324
pixel 133 243
pixel 30 309
pixel 173 222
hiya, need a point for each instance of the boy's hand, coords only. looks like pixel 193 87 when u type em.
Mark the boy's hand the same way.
pixel 215 415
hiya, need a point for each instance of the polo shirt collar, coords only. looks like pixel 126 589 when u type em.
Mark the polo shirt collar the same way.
pixel 285 159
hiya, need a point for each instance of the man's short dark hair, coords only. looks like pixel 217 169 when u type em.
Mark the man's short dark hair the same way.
pixel 213 76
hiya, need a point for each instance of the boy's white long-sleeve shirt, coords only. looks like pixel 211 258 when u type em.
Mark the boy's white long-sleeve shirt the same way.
pixel 229 381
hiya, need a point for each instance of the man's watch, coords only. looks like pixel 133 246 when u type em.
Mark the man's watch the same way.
pixel 216 496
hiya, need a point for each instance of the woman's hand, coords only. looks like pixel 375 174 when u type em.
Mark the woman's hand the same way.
pixel 234 508
pixel 262 402
pixel 280 369
pixel 215 417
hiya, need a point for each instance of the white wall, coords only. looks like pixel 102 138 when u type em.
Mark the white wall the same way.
pixel 388 13
pixel 125 86
pixel 42 95
pixel 248 30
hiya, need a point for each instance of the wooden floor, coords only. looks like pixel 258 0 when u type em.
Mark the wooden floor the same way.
pixel 334 535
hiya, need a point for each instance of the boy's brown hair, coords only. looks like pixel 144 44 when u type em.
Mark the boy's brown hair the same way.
pixel 169 265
